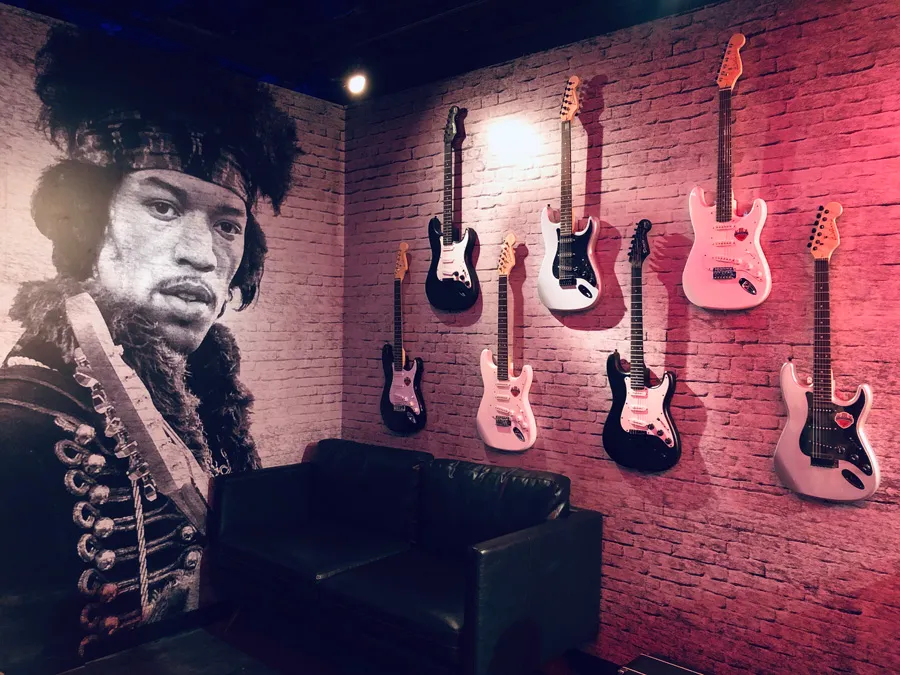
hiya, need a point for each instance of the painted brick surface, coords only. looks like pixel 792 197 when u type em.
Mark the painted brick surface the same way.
pixel 291 338
pixel 713 564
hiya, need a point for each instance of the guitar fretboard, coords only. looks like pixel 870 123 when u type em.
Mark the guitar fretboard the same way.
pixel 638 371
pixel 398 327
pixel 723 185
pixel 565 205
pixel 822 382
pixel 447 226
pixel 502 334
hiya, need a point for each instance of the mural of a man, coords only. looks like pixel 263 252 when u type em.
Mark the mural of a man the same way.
pixel 151 213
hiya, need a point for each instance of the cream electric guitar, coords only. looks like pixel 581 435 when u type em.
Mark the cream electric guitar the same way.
pixel 505 420
pixel 568 280
pixel 726 268
pixel 823 451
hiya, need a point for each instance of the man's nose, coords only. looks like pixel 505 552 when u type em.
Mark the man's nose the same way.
pixel 195 244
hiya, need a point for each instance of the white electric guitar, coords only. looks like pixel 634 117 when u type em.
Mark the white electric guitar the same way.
pixel 505 420
pixel 568 280
pixel 726 268
pixel 823 451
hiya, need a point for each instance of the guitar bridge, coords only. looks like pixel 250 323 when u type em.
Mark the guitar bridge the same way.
pixel 399 408
pixel 724 273
pixel 503 421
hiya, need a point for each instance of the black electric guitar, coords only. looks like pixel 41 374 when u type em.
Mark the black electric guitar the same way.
pixel 639 432
pixel 402 407
pixel 452 282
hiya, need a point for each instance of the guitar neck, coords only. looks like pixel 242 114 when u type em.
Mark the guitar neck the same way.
pixel 565 203
pixel 398 326
pixel 822 378
pixel 502 332
pixel 447 225
pixel 638 370
pixel 723 183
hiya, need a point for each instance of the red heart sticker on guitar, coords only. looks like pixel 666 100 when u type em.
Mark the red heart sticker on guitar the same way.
pixel 740 234
pixel 843 419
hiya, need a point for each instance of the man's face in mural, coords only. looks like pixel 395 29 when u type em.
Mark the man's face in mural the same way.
pixel 173 244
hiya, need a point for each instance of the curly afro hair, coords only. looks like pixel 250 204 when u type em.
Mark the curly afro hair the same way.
pixel 83 79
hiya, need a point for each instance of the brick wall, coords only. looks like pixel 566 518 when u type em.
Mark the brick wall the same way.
pixel 291 338
pixel 714 564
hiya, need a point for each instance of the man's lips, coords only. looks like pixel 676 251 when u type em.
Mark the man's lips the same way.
pixel 190 291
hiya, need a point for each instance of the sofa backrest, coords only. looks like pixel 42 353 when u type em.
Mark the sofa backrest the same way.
pixel 368 486
pixel 464 503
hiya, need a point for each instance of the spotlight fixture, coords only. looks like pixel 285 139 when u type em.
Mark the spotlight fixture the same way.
pixel 356 84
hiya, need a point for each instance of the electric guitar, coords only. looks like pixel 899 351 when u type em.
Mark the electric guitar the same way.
pixel 452 282
pixel 639 431
pixel 158 459
pixel 402 408
pixel 505 420
pixel 568 280
pixel 823 451
pixel 726 268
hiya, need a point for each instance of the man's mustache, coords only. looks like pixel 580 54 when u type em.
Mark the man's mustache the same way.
pixel 189 288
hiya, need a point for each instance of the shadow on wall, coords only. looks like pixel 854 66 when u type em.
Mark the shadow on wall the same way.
pixel 610 310
pixel 688 410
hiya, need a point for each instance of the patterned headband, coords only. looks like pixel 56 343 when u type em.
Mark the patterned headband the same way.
pixel 126 140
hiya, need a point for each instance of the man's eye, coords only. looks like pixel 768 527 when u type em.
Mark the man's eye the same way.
pixel 163 209
pixel 228 227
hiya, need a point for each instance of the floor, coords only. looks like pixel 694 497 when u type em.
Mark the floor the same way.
pixel 250 645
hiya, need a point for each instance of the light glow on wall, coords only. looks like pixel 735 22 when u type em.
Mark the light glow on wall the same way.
pixel 512 142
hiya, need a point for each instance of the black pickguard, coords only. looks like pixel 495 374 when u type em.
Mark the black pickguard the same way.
pixel 448 294
pixel 642 451
pixel 832 442
pixel 581 264
pixel 406 421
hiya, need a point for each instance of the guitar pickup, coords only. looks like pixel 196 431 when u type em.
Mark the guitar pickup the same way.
pixel 503 421
pixel 501 397
pixel 724 273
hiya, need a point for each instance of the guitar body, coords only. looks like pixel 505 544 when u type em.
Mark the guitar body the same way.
pixel 856 474
pixel 586 290
pixel 402 406
pixel 452 282
pixel 726 268
pixel 505 420
pixel 639 432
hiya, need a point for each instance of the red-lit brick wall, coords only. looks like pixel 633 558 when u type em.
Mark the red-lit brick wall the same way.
pixel 290 339
pixel 713 564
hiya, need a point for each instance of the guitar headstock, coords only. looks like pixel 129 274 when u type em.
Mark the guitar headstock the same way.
pixel 402 264
pixel 732 67
pixel 507 256
pixel 825 237
pixel 570 102
pixel 640 246
pixel 453 130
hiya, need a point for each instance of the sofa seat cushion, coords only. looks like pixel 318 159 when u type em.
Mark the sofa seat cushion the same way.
pixel 301 558
pixel 414 599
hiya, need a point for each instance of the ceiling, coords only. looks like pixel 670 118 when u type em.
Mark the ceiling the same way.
pixel 312 45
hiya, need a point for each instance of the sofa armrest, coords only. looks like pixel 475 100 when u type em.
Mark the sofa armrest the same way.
pixel 264 499
pixel 532 594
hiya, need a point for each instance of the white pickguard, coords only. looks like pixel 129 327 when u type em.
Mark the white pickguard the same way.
pixel 794 468
pixel 715 245
pixel 402 392
pixel 643 410
pixel 507 400
pixel 452 263
pixel 554 296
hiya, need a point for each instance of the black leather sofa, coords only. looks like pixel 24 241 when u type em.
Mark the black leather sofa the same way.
pixel 459 567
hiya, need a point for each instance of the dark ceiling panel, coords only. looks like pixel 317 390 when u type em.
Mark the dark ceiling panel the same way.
pixel 312 46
